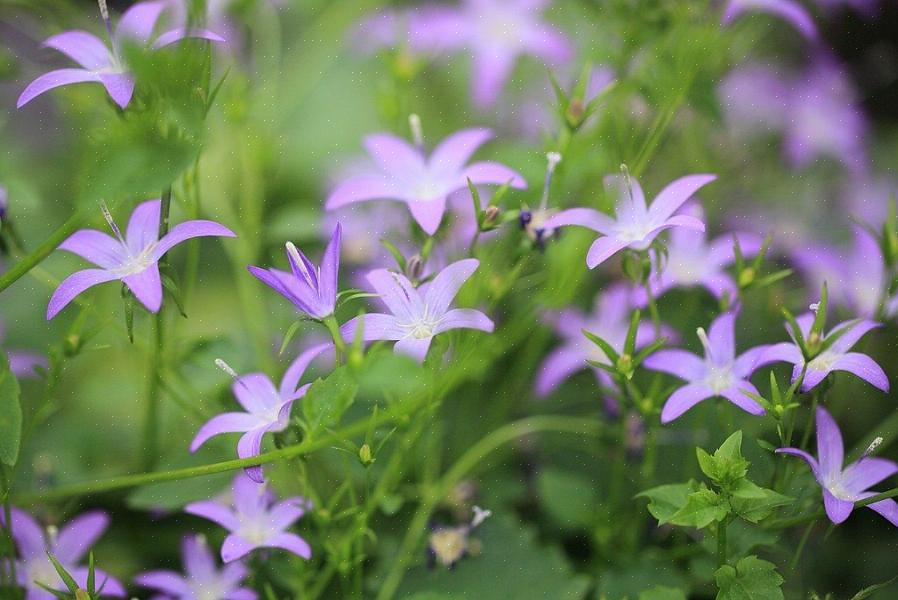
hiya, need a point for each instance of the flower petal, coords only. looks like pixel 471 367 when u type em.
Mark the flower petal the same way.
pixel 215 512
pixel 864 367
pixel 675 194
pixel 602 249
pixel 397 293
pixel 394 155
pixel 291 543
pixel 362 189
pixel 250 499
pixel 678 363
pixel 788 10
pixel 109 585
pixel 490 172
pixel 168 582
pixel 103 250
pixel 837 510
pixel 782 352
pixel 375 327
pixel 27 533
pixel 428 213
pixel 683 399
pixel 73 285
pixel 249 445
pixel 293 374
pixel 736 395
pixel 119 86
pixel 147 287
pixel 54 79
pixel 241 594
pixel 863 474
pixel 722 338
pixel 414 347
pixel 189 230
pixel 235 548
pixel 176 35
pixel 137 23
pixel 79 534
pixel 830 451
pixel 231 422
pixel 445 286
pixel 199 563
pixel 464 318
pixel 256 393
pixel 584 217
pixel 452 153
pixel 491 68
pixel 330 268
pixel 285 513
pixel 858 329
pixel 84 48
pixel 143 226
pixel 888 508
pixel 812 462
pixel 560 364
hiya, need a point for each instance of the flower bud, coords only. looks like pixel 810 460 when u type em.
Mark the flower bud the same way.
pixel 746 277
pixel 365 456
pixel 414 268
pixel 625 364
pixel 81 595
pixel 490 217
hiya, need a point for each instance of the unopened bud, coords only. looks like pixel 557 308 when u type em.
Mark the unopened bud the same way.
pixel 365 455
pixel 81 595
pixel 625 363
pixel 575 112
pixel 491 216
pixel 71 345
pixel 414 268
pixel 746 277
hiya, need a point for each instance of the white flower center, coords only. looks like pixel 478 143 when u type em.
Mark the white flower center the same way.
pixel 41 570
pixel 136 264
pixel 824 361
pixel 836 488
pixel 422 328
pixel 207 590
pixel 256 531
pixel 719 377
pixel 632 232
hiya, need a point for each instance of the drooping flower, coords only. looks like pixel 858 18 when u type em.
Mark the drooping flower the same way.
pixel 609 319
pixel 843 487
pixel 311 289
pixel 203 579
pixel 132 258
pixel 22 363
pixel 496 33
pixel 719 373
pixel 102 64
pixel 636 225
pixel 788 10
pixel 68 545
pixel 417 315
pixel 692 260
pixel 267 409
pixel 256 520
pixel 837 357
pixel 423 183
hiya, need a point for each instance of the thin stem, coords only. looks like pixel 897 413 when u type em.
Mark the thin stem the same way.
pixel 339 346
pixel 722 542
pixel 801 544
pixel 653 305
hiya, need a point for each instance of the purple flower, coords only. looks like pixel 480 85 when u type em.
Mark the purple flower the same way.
pixel 267 409
pixel 422 182
pixel 788 10
pixel 691 261
pixel 843 487
pixel 418 314
pixel 719 373
pixel 22 363
pixel 4 204
pixel 835 358
pixel 103 65
pixel 256 520
pixel 311 289
pixel 609 319
pixel 203 580
pixel 132 258
pixel 636 225
pixel 496 33
pixel 69 546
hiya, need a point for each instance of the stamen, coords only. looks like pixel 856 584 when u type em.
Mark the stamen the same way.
pixel 108 216
pixel 553 159
pixel 297 260
pixel 628 182
pixel 706 343
pixel 814 307
pixel 414 123
pixel 873 446
pixel 221 364
pixel 104 12
pixel 52 534
pixel 480 515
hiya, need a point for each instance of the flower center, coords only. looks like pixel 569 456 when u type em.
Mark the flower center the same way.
pixel 256 531
pixel 719 377
pixel 824 361
pixel 41 570
pixel 207 590
pixel 136 263
pixel 422 329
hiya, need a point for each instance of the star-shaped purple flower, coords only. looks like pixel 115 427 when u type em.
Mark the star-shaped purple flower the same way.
pixel 102 64
pixel 636 225
pixel 203 579
pixel 267 409
pixel 418 314
pixel 843 487
pixel 423 183
pixel 609 319
pixel 788 10
pixel 255 521
pixel 837 357
pixel 69 546
pixel 132 258
pixel 496 33
pixel 311 289
pixel 693 261
pixel 719 373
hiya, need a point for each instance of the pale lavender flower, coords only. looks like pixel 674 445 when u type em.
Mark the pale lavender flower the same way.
pixel 68 545
pixel 636 225
pixel 423 183
pixel 843 487
pixel 693 261
pixel 788 10
pixel 203 579
pixel 837 357
pixel 267 409
pixel 418 314
pixel 22 363
pixel 256 520
pixel 609 319
pixel 496 33
pixel 104 65
pixel 132 258
pixel 720 373
pixel 817 111
pixel 311 289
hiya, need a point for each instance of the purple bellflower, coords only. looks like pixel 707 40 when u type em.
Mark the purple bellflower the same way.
pixel 102 64
pixel 203 579
pixel 843 487
pixel 719 373
pixel 636 225
pixel 837 357
pixel 693 261
pixel 422 182
pixel 418 314
pixel 788 10
pixel 267 409
pixel 22 363
pixel 132 258
pixel 496 33
pixel 68 545
pixel 255 521
pixel 609 319
pixel 311 289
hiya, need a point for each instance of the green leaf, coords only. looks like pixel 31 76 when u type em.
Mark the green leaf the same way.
pixel 327 399
pixel 867 592
pixel 751 579
pixel 63 574
pixel 666 500
pixel 607 348
pixel 10 414
pixel 701 509
pixel 662 592
pixel 754 503
pixel 567 496
pixel 726 466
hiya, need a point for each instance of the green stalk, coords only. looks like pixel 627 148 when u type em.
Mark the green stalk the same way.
pixel 339 346
pixel 722 542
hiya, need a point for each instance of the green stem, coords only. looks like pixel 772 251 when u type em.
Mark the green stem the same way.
pixel 653 305
pixel 470 459
pixel 339 346
pixel 801 544
pixel 722 542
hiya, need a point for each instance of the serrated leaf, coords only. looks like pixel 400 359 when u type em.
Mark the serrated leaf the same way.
pixel 666 500
pixel 701 509
pixel 10 414
pixel 751 579
pixel 726 466
pixel 327 399
pixel 867 592
pixel 754 503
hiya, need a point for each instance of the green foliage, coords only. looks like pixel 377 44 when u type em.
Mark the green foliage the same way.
pixel 10 414
pixel 328 398
pixel 751 579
